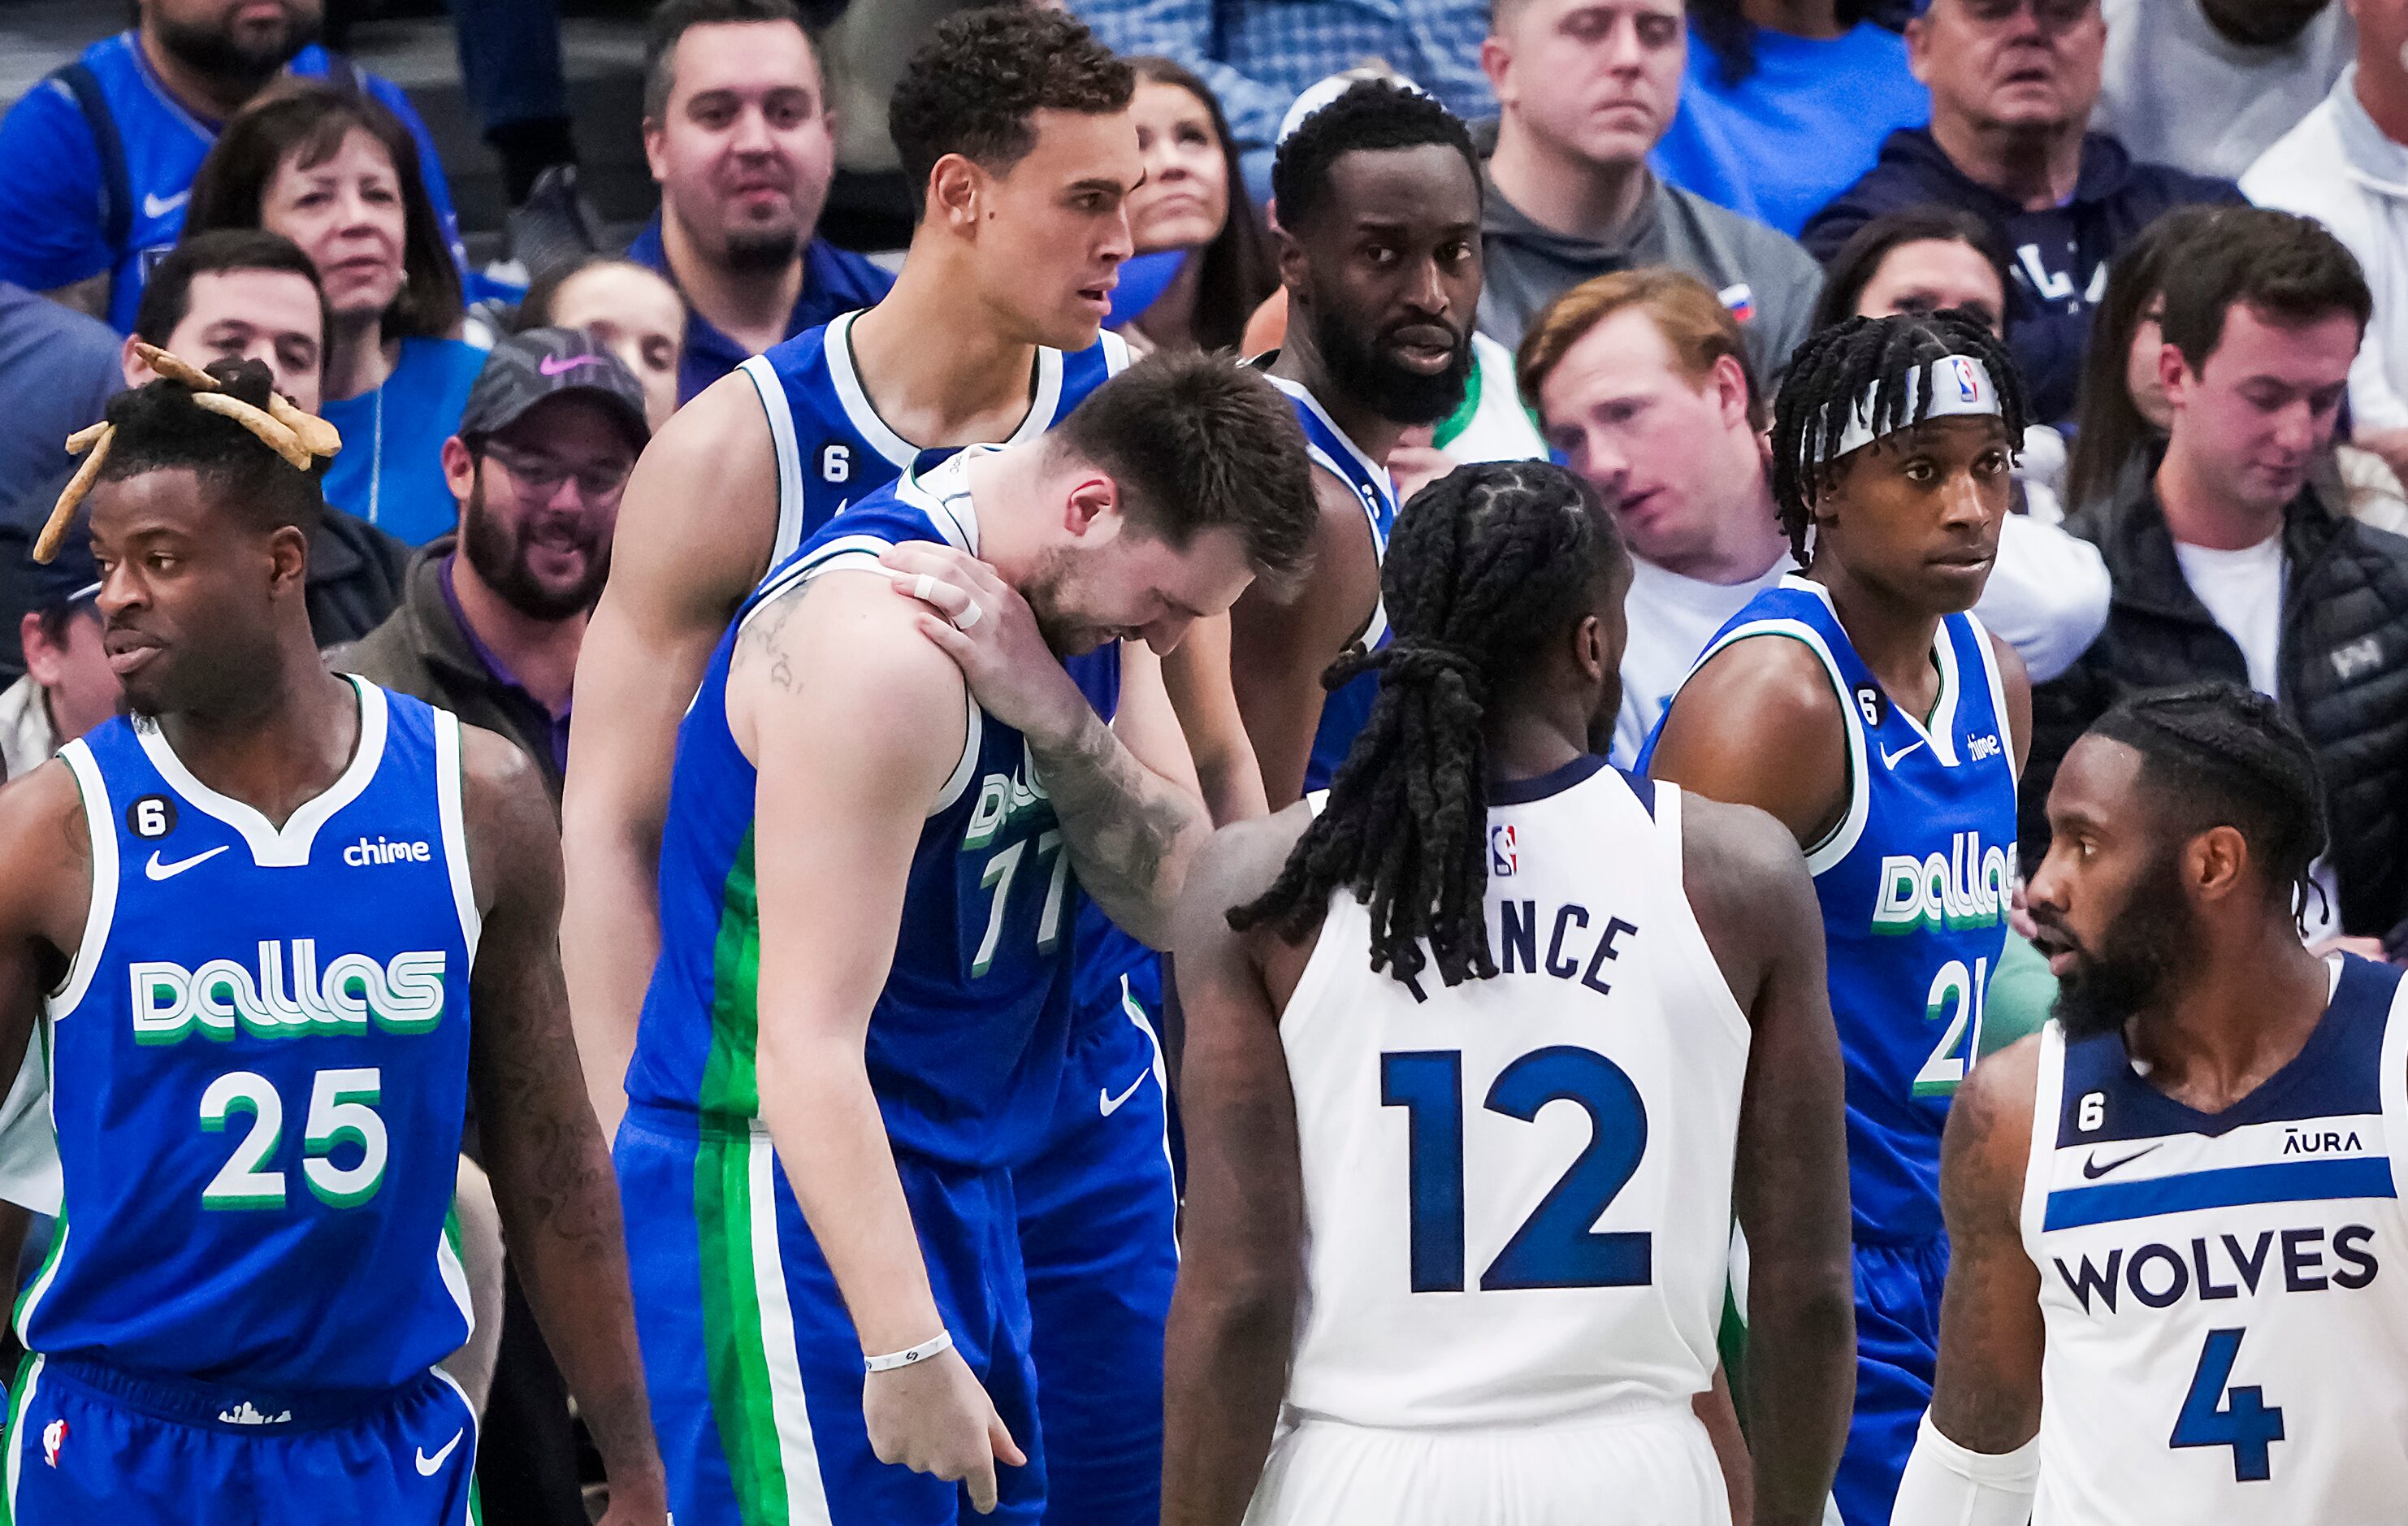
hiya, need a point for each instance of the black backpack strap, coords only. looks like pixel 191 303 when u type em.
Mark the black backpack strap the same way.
pixel 116 190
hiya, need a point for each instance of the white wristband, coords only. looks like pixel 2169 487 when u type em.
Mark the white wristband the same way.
pixel 942 1342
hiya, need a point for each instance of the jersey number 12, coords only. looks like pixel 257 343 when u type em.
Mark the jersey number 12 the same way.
pixel 1556 1246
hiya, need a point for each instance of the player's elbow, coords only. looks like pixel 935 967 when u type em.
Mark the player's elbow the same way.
pixel 1809 1298
pixel 1238 1304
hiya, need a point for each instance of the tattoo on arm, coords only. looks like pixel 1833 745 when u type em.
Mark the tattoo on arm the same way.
pixel 1988 1394
pixel 764 639
pixel 1129 833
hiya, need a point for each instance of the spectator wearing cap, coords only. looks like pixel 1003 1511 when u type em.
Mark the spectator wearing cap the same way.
pixel 2013 84
pixel 1585 91
pixel 492 620
pixel 68 686
pixel 739 137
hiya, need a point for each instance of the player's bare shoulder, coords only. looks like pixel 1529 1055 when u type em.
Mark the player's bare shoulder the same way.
pixel 1747 885
pixel 702 504
pixel 513 838
pixel 46 857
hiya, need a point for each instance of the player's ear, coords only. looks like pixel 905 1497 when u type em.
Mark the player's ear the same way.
pixel 288 550
pixel 1093 497
pixel 956 189
pixel 1589 648
pixel 2216 859
pixel 1293 271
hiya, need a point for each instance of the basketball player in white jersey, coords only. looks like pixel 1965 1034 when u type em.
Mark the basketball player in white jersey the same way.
pixel 1470 1096
pixel 2177 1291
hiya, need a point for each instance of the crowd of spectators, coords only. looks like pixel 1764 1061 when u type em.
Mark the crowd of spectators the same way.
pixel 1672 198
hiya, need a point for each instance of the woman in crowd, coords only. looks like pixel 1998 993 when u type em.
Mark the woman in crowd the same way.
pixel 339 175
pixel 1193 203
pixel 635 313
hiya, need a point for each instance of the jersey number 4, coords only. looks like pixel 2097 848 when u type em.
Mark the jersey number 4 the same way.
pixel 1556 1246
pixel 2214 1415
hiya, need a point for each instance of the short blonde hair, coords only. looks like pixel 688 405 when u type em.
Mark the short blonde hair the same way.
pixel 1692 319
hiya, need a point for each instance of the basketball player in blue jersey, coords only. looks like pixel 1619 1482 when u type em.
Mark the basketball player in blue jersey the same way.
pixel 2175 1212
pixel 1872 715
pixel 928 731
pixel 1667 979
pixel 1378 197
pixel 1014 122
pixel 279 928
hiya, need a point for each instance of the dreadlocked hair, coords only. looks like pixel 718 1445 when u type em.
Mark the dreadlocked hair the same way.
pixel 2219 755
pixel 1481 566
pixel 158 428
pixel 1836 367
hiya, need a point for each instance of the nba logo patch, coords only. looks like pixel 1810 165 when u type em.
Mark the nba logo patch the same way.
pixel 1504 852
pixel 1968 379
pixel 54 1435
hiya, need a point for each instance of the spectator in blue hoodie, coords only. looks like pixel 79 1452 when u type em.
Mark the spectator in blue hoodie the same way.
pixel 2013 83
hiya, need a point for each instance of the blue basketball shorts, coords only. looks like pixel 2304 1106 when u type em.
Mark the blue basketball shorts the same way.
pixel 1898 1352
pixel 752 1362
pixel 91 1446
pixel 1098 1226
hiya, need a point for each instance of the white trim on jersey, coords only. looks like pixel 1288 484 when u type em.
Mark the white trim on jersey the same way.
pixel 100 825
pixel 449 1267
pixel 1842 840
pixel 790 1417
pixel 18 1439
pixel 475 1428
pixel 288 846
pixel 1997 692
pixel 2048 1107
pixel 835 346
pixel 452 811
pixel 788 533
pixel 1377 627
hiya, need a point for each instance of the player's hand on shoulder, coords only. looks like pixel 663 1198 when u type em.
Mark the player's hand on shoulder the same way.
pixel 933 1417
pixel 984 626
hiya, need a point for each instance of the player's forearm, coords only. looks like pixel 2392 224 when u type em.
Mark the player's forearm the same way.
pixel 609 932
pixel 1801 1382
pixel 559 1204
pixel 831 1141
pixel 1226 1356
pixel 1130 833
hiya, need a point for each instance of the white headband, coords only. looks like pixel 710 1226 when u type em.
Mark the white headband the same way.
pixel 1960 387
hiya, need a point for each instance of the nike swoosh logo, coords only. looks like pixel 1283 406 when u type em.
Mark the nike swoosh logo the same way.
pixel 158 871
pixel 560 364
pixel 1111 1104
pixel 1889 759
pixel 155 205
pixel 2092 1170
pixel 426 1465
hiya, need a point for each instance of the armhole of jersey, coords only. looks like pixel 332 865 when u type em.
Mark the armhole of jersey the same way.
pixel 450 808
pixel 1998 694
pixel 1667 818
pixel 780 415
pixel 2048 1106
pixel 860 554
pixel 100 825
pixel 1376 629
pixel 1840 841
pixel 2395 1087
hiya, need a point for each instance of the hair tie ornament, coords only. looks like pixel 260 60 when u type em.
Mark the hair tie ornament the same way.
pixel 296 436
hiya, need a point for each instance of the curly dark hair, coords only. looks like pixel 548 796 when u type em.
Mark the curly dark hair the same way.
pixel 2219 754
pixel 1484 565
pixel 160 428
pixel 1835 368
pixel 972 88
pixel 1373 114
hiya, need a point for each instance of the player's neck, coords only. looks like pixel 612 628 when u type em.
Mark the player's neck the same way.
pixel 1300 361
pixel 205 95
pixel 1892 638
pixel 1530 741
pixel 540 654
pixel 2200 511
pixel 935 364
pixel 751 307
pixel 2243 1014
pixel 283 745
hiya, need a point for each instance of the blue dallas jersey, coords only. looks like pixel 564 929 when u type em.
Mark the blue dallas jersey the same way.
pixel 1914 884
pixel 261 1053
pixel 53 202
pixel 832 447
pixel 966 1043
pixel 1343 712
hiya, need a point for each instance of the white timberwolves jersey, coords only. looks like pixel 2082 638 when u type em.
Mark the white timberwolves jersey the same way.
pixel 2226 1296
pixel 1517 1192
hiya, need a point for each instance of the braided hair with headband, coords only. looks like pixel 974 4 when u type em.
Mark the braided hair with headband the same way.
pixel 1835 368
pixel 1481 567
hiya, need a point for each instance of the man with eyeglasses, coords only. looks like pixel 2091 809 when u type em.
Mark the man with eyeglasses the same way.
pixel 492 619
pixel 2013 83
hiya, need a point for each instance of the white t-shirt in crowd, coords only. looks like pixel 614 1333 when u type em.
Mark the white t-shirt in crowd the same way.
pixel 1671 618
pixel 2243 590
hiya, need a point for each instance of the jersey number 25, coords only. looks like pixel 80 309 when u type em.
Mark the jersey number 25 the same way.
pixel 1556 1246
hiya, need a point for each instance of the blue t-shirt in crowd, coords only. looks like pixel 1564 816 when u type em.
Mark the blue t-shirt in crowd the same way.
pixel 1803 127
pixel 53 230
pixel 390 470
pixel 835 282
pixel 57 370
